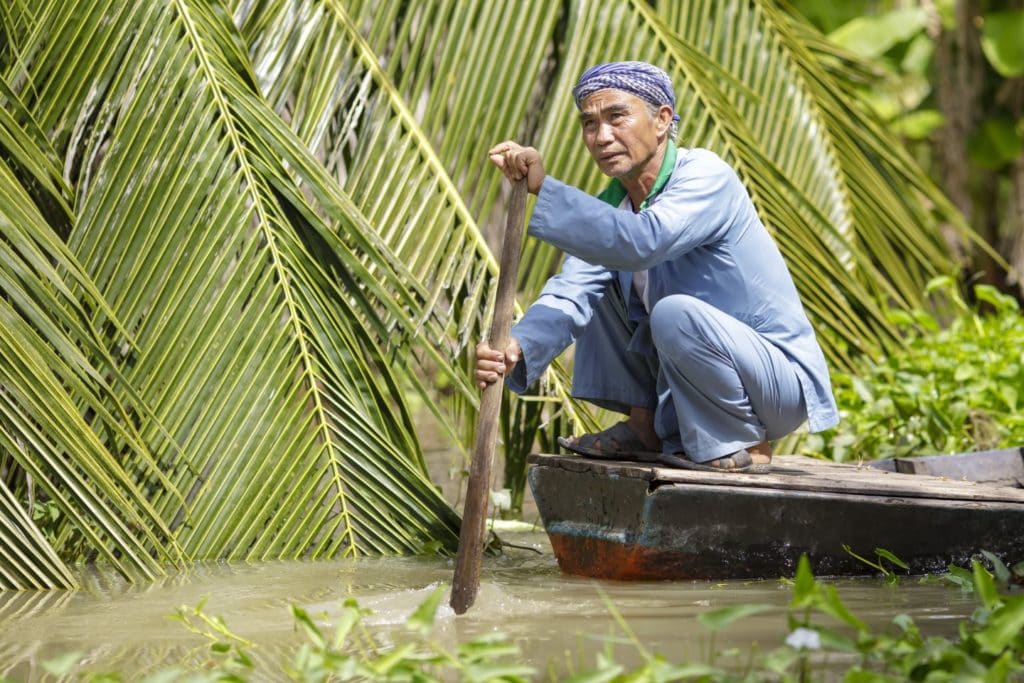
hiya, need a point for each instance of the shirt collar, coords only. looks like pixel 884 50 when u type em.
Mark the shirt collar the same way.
pixel 615 192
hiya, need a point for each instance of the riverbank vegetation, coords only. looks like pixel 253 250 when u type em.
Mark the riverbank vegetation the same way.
pixel 955 386
pixel 820 639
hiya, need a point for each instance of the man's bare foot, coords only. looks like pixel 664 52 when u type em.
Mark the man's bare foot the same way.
pixel 761 454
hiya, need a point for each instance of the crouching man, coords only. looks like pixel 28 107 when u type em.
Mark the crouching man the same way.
pixel 684 314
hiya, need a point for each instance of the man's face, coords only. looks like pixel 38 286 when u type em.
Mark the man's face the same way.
pixel 620 132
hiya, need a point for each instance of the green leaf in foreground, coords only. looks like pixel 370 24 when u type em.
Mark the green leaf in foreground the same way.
pixel 883 553
pixel 804 586
pixel 987 648
pixel 1005 626
pixel 718 619
pixel 422 619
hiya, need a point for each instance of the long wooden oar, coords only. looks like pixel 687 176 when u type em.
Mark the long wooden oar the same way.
pixel 474 515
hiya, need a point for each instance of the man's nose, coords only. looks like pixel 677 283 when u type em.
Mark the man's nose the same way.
pixel 604 133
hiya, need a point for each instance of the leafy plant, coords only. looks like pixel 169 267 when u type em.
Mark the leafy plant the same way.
pixel 882 557
pixel 990 646
pixel 949 389
pixel 352 652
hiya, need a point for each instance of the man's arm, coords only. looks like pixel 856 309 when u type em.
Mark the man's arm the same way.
pixel 550 325
pixel 695 208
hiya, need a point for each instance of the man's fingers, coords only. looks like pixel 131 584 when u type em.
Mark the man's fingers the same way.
pixel 509 156
pixel 514 166
pixel 490 366
pixel 502 147
pixel 486 353
pixel 521 165
pixel 512 351
pixel 487 376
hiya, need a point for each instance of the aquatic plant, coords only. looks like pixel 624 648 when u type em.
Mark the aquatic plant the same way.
pixel 951 388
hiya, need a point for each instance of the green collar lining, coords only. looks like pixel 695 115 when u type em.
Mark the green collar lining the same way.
pixel 615 192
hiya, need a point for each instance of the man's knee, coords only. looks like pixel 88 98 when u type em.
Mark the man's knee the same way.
pixel 677 320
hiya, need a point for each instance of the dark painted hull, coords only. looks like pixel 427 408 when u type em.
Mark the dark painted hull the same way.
pixel 634 522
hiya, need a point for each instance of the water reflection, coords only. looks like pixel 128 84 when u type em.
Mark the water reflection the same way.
pixel 554 618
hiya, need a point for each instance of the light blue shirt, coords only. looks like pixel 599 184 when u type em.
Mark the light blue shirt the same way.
pixel 699 236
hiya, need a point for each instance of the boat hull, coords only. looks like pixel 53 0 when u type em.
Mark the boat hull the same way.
pixel 633 522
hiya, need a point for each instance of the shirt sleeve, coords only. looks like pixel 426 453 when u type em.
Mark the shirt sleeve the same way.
pixel 556 318
pixel 696 207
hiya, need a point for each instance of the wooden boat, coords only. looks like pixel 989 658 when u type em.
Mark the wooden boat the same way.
pixel 635 521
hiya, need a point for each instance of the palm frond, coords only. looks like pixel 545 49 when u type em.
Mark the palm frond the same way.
pixel 358 118
pixel 61 422
pixel 26 558
pixel 247 349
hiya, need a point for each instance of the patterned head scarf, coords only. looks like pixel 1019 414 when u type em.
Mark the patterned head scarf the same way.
pixel 644 80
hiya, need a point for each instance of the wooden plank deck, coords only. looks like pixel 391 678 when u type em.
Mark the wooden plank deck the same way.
pixel 622 520
pixel 1004 467
pixel 799 473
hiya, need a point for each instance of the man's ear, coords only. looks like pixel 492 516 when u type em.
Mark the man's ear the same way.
pixel 665 115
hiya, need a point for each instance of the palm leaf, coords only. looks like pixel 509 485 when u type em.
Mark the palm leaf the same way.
pixel 61 422
pixel 191 222
pixel 26 558
pixel 356 116
pixel 835 76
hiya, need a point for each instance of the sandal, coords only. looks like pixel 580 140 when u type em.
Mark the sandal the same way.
pixel 618 442
pixel 740 461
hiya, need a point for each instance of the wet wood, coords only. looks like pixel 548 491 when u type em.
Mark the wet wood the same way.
pixel 632 521
pixel 799 473
pixel 1004 467
pixel 466 581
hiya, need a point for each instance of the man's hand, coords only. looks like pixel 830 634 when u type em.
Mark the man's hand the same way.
pixel 518 162
pixel 491 363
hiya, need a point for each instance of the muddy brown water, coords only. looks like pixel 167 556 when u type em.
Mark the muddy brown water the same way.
pixel 560 622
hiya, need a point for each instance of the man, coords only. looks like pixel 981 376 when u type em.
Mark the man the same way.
pixel 684 314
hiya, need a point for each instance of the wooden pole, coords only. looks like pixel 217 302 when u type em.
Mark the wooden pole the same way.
pixel 474 516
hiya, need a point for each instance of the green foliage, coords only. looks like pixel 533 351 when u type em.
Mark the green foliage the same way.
pixel 718 619
pixel 922 74
pixel 988 647
pixel 873 36
pixel 995 143
pixel 352 652
pixel 948 390
pixel 528 423
pixel 1001 41
pixel 819 628
pixel 882 557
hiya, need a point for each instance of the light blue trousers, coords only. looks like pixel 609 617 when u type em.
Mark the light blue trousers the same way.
pixel 715 384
